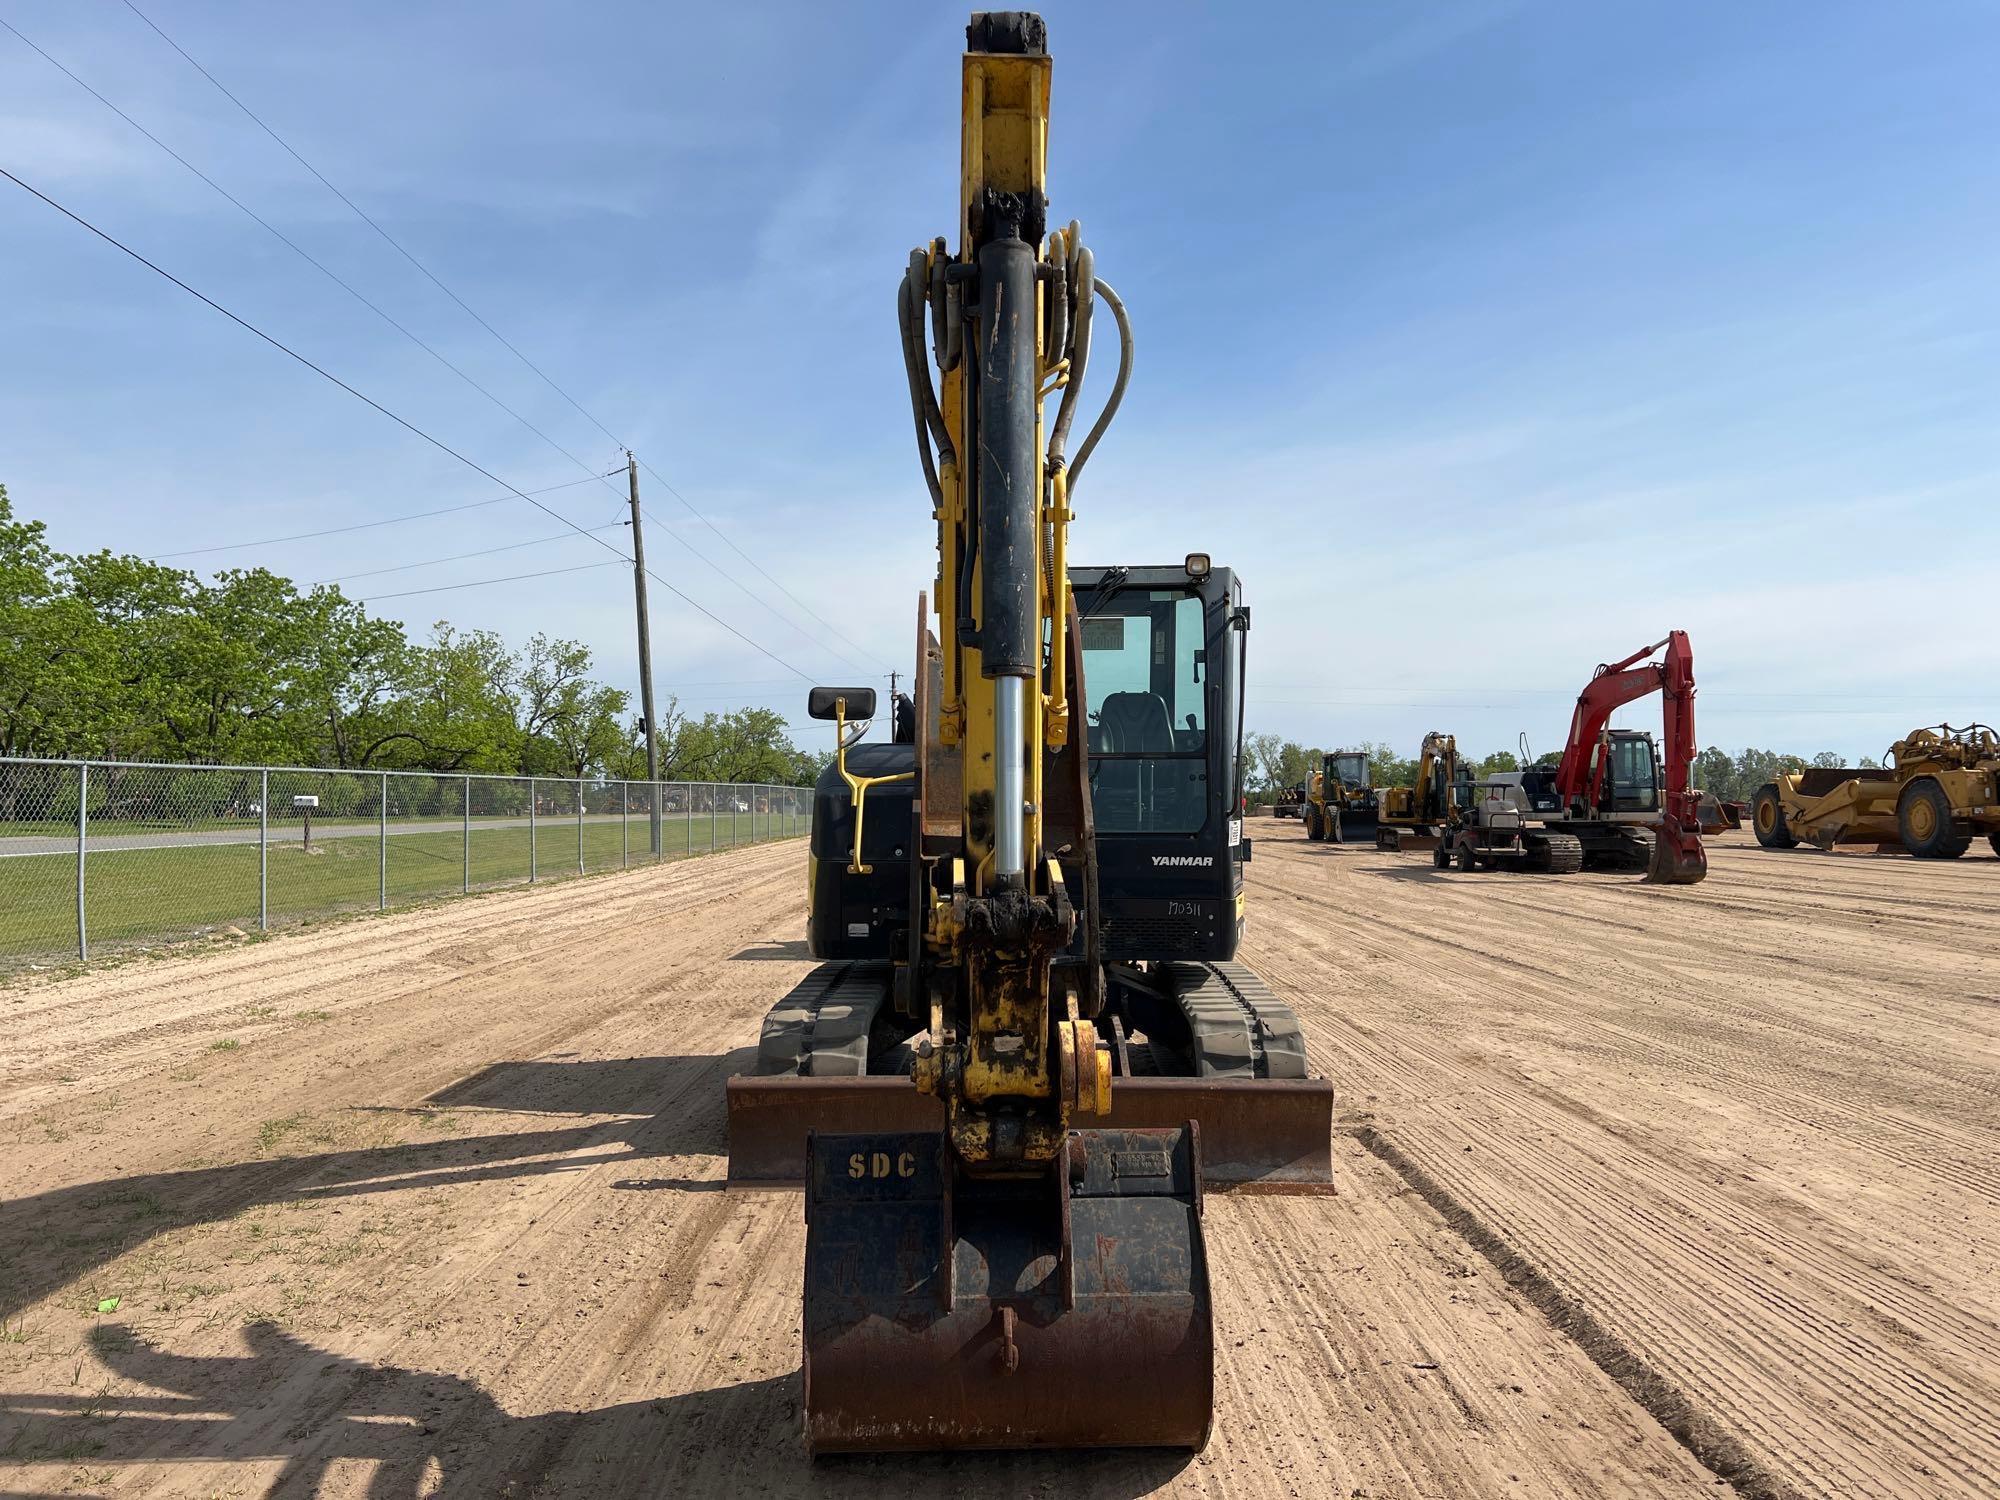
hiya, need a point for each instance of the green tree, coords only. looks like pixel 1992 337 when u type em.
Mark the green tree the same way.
pixel 54 665
pixel 1386 767
pixel 120 657
pixel 453 706
pixel 342 708
pixel 1715 771
pixel 747 744
pixel 1263 759
pixel 1296 763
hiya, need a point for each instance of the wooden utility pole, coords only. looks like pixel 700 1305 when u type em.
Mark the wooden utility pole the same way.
pixel 645 649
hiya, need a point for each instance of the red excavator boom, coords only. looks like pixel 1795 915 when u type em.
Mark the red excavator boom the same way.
pixel 1678 858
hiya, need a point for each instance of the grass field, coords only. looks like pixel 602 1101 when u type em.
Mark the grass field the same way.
pixel 139 897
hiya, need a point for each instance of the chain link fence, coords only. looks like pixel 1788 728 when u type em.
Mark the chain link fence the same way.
pixel 99 856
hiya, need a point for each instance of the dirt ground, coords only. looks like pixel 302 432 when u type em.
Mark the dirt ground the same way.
pixel 1643 1193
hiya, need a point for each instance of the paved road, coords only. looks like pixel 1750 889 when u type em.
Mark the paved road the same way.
pixel 288 832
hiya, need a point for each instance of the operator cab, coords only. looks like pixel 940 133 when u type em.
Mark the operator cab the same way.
pixel 1349 768
pixel 1634 783
pixel 1163 651
pixel 1631 787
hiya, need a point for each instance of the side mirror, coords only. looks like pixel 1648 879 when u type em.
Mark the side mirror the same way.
pixel 860 702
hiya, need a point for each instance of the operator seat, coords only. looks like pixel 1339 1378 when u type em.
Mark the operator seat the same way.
pixel 1136 724
pixel 1129 724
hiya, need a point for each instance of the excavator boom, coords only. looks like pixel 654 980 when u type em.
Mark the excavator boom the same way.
pixel 1003 1225
pixel 1678 857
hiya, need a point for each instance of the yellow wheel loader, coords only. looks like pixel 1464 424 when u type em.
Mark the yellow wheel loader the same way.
pixel 1939 791
pixel 1340 804
pixel 1028 1048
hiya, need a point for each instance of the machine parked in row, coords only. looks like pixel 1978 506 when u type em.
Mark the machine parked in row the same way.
pixel 1940 791
pixel 1340 804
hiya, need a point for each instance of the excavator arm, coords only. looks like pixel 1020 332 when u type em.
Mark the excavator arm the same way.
pixel 1678 857
pixel 998 1283
pixel 1437 768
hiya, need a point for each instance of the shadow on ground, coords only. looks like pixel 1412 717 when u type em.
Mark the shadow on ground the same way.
pixel 674 1108
pixel 429 1434
pixel 1419 874
pixel 793 952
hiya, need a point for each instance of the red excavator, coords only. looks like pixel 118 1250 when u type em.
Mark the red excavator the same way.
pixel 1628 802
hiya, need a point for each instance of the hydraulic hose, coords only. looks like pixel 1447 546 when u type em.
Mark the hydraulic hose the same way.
pixel 1075 270
pixel 1103 289
pixel 928 419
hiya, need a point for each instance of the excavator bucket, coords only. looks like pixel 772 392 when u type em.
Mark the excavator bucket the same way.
pixel 1718 816
pixel 944 1312
pixel 1678 858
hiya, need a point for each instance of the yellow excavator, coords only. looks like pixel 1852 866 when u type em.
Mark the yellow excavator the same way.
pixel 1028 1047
pixel 1415 817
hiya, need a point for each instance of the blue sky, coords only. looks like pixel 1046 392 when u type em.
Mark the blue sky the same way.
pixel 1487 341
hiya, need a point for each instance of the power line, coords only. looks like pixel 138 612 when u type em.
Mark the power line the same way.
pixel 802 676
pixel 400 421
pixel 319 370
pixel 667 485
pixel 561 536
pixel 298 250
pixel 431 276
pixel 480 583
pixel 752 595
pixel 306 536
pixel 391 239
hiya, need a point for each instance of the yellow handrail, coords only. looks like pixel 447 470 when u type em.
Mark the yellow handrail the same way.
pixel 858 786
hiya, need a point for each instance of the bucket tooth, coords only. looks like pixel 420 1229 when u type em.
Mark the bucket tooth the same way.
pixel 944 1311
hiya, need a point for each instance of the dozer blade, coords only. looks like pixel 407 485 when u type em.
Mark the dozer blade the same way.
pixel 1259 1135
pixel 945 1311
pixel 1406 840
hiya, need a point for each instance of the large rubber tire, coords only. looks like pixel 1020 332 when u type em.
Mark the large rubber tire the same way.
pixel 1923 818
pixel 1334 833
pixel 1313 830
pixel 1767 819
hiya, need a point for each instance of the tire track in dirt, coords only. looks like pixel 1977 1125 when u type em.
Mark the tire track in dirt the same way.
pixel 1656 1085
pixel 467 1236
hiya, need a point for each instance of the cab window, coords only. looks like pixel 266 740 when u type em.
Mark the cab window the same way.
pixel 1145 670
pixel 1634 784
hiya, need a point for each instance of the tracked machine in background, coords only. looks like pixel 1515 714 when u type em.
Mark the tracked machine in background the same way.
pixel 1028 1045
pixel 1416 817
pixel 1629 803
pixel 1940 791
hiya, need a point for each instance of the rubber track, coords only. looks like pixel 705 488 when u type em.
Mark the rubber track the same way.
pixel 1565 853
pixel 820 1029
pixel 1240 1028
